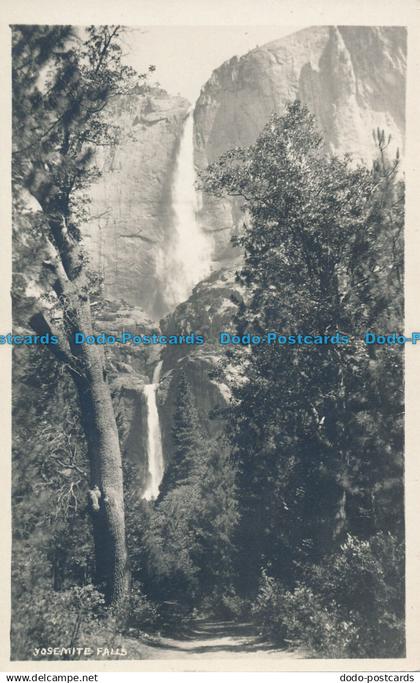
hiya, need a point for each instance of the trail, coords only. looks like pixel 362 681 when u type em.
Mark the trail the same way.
pixel 215 639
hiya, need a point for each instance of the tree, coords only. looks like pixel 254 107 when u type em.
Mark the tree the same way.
pixel 312 436
pixel 62 85
pixel 189 446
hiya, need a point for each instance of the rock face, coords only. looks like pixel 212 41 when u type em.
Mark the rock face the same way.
pixel 352 78
pixel 209 310
pixel 131 202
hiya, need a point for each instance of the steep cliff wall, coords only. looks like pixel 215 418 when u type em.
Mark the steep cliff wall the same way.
pixel 131 202
pixel 209 310
pixel 352 78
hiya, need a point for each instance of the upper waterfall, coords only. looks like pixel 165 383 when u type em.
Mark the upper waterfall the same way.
pixel 187 259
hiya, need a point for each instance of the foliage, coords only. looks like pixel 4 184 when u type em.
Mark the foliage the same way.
pixel 189 449
pixel 142 614
pixel 316 436
pixel 56 619
pixel 226 605
pixel 62 85
pixel 52 560
pixel 188 537
pixel 267 609
pixel 49 479
pixel 350 606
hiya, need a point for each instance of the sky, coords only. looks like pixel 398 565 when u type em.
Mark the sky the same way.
pixel 185 56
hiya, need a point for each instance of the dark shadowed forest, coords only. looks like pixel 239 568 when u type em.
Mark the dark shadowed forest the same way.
pixel 289 517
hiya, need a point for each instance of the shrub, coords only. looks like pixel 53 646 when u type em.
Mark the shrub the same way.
pixel 224 605
pixel 351 606
pixel 142 613
pixel 267 610
pixel 232 606
pixel 318 628
pixel 55 619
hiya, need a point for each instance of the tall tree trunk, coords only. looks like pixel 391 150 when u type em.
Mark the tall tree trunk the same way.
pixel 106 494
pixel 106 500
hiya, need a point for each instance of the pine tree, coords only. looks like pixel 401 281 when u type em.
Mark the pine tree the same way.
pixel 189 444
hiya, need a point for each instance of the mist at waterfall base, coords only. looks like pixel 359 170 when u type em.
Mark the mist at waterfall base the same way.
pixel 186 259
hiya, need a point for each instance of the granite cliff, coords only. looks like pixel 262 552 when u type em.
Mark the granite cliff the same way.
pixel 131 201
pixel 352 78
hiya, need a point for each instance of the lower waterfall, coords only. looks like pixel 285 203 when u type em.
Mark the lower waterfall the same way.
pixel 154 442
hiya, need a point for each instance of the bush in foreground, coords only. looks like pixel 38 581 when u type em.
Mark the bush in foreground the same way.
pixel 351 606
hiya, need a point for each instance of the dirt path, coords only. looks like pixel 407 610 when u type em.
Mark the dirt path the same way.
pixel 214 639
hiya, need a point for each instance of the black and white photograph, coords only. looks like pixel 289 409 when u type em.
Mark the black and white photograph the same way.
pixel 208 342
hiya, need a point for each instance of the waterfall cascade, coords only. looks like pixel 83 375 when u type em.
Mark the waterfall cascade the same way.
pixel 154 442
pixel 187 259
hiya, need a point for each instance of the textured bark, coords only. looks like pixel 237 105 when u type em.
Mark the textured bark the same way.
pixel 106 495
pixel 106 499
